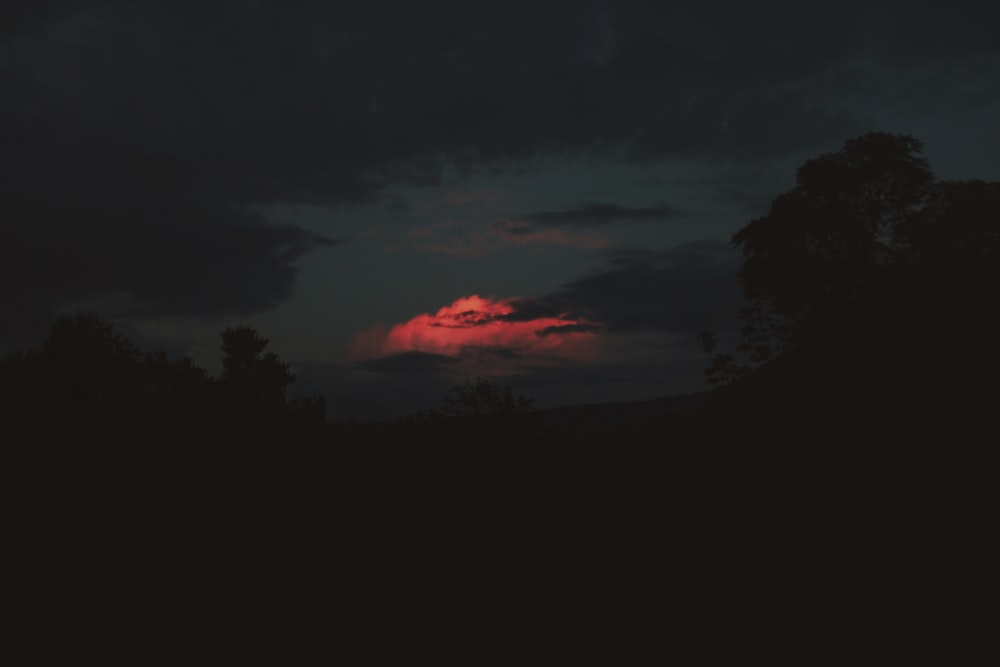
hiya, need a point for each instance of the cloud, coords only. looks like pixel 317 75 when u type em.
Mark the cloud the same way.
pixel 562 329
pixel 412 362
pixel 275 101
pixel 595 214
pixel 467 241
pixel 464 198
pixel 478 325
pixel 138 261
pixel 121 118
pixel 518 234
pixel 563 227
pixel 585 329
pixel 684 289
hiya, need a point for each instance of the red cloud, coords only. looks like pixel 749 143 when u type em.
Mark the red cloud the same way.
pixel 475 321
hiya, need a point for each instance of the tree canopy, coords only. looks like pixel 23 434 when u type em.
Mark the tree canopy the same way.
pixel 858 222
pixel 869 276
pixel 256 378
pixel 88 377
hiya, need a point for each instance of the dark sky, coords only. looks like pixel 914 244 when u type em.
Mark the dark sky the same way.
pixel 401 195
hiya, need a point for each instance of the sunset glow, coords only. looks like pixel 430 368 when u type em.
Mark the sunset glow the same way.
pixel 476 321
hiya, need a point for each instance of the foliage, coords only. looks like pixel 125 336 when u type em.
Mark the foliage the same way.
pixel 484 397
pixel 481 411
pixel 855 251
pixel 724 368
pixel 88 377
pixel 257 379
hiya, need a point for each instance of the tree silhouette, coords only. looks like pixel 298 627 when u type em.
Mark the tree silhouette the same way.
pixel 88 378
pixel 957 231
pixel 822 244
pixel 484 397
pixel 91 358
pixel 480 411
pixel 869 283
pixel 859 224
pixel 255 378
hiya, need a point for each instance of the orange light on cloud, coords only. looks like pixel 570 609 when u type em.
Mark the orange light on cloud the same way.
pixel 476 321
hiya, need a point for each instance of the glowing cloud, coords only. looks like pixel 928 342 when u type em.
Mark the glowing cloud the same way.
pixel 478 322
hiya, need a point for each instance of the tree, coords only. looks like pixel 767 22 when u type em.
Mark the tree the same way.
pixel 86 362
pixel 88 378
pixel 484 398
pixel 957 232
pixel 871 280
pixel 258 379
pixel 822 245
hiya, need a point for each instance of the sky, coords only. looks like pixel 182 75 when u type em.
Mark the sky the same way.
pixel 402 196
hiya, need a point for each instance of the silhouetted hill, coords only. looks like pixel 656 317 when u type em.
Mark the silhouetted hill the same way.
pixel 594 417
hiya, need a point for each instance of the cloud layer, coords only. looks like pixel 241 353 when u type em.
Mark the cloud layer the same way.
pixel 140 137
pixel 680 290
pixel 597 214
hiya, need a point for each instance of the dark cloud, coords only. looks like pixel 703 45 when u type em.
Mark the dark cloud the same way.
pixel 612 381
pixel 528 309
pixel 562 329
pixel 685 289
pixel 137 135
pixel 137 261
pixel 596 214
pixel 318 102
pixel 409 363
pixel 464 320
pixel 755 201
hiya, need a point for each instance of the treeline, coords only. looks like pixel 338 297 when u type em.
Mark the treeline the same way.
pixel 872 292
pixel 88 381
